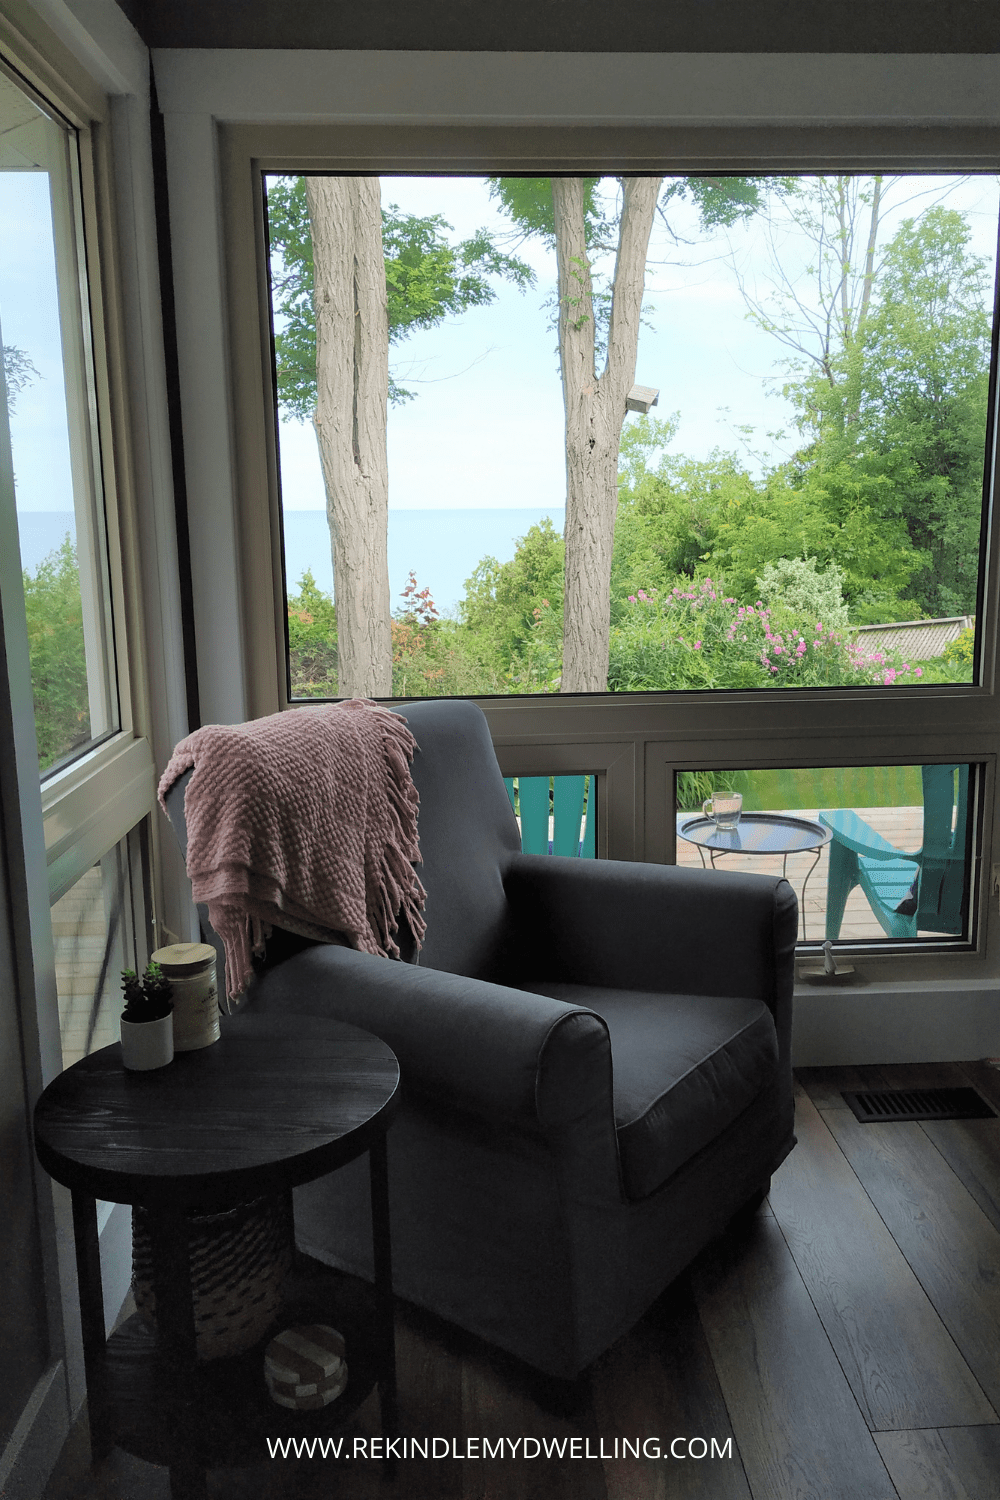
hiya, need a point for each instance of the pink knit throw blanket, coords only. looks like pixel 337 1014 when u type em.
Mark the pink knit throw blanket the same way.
pixel 306 819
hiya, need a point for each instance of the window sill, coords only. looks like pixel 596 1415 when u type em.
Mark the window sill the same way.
pixel 95 805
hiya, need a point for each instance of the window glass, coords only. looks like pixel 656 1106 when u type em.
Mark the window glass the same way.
pixel 50 408
pixel 874 853
pixel 642 434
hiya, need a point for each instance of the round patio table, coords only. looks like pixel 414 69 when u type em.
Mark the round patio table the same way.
pixel 758 833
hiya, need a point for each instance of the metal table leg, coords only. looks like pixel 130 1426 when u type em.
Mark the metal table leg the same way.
pixel 816 860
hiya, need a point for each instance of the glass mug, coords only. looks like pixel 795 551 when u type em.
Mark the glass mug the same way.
pixel 724 809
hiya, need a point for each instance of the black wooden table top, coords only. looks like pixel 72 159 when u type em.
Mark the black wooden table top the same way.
pixel 277 1102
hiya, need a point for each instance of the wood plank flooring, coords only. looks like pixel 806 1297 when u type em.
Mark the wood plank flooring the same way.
pixel 842 1345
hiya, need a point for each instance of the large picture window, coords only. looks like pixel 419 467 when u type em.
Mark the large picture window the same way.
pixel 542 435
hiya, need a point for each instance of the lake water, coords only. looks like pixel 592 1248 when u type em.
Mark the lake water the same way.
pixel 442 547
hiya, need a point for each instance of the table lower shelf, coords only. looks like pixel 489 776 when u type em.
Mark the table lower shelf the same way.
pixel 223 1414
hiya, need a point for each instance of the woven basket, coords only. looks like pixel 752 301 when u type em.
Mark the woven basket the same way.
pixel 239 1262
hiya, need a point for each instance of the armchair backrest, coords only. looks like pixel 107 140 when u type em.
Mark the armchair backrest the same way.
pixel 468 836
pixel 942 855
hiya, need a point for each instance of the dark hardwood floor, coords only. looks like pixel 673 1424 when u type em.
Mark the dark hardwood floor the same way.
pixel 845 1344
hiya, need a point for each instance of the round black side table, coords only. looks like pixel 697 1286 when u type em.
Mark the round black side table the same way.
pixel 277 1102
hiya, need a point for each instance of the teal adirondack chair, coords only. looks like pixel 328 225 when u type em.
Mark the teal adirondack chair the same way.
pixel 569 794
pixel 860 856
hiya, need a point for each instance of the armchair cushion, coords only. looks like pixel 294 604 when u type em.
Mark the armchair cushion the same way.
pixel 683 1071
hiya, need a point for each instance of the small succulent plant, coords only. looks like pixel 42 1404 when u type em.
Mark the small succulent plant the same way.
pixel 148 998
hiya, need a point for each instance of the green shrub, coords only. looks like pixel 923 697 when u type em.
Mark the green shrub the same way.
pixel 56 649
pixel 312 641
pixel 961 651
pixel 693 787
pixel 794 584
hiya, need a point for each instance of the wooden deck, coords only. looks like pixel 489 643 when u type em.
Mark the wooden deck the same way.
pixel 902 826
pixel 79 933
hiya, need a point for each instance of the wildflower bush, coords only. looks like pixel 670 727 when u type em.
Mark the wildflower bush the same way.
pixel 430 658
pixel 701 637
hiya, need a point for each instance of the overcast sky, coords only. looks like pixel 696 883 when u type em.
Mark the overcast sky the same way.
pixel 485 429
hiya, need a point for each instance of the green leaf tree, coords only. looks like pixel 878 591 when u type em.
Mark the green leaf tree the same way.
pixel 18 372
pixel 350 279
pixel 598 322
pixel 904 418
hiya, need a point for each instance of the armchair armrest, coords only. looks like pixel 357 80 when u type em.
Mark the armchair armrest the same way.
pixel 656 927
pixel 509 1057
pixel 652 927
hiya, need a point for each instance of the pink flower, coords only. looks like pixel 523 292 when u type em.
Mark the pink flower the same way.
pixel 918 671
pixel 778 650
pixel 631 598
pixel 819 624
pixel 800 648
pixel 697 645
pixel 642 593
pixel 890 677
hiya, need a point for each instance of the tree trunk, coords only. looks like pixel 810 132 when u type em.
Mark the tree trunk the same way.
pixel 595 414
pixel 352 383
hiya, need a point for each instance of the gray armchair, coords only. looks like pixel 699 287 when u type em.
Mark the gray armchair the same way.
pixel 595 1058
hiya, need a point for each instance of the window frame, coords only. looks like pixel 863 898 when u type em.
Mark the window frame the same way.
pixel 99 797
pixel 53 830
pixel 652 734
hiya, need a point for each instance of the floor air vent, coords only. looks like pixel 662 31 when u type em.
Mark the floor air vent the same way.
pixel 877 1106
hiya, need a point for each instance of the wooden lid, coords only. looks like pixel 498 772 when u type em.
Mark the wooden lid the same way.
pixel 179 959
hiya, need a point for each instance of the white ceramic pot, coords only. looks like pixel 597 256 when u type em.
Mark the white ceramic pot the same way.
pixel 147 1044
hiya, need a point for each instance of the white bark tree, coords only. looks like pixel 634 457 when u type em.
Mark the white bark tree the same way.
pixel 352 384
pixel 595 414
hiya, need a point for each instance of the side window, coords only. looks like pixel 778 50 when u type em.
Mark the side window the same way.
pixel 51 411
